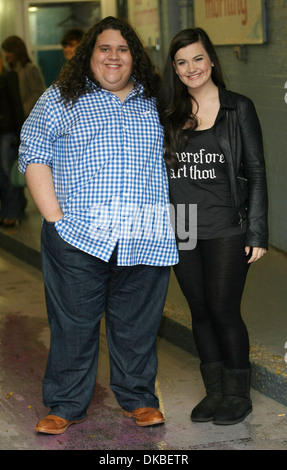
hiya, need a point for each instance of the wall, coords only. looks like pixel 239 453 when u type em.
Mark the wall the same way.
pixel 7 18
pixel 12 17
pixel 262 77
pixel 108 8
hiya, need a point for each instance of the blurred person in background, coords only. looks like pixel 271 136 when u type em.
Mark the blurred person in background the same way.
pixel 31 81
pixel 70 42
pixel 11 120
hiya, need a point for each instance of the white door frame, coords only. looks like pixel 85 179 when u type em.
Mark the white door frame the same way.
pixel 32 48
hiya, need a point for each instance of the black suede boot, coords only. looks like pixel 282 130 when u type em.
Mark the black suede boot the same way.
pixel 236 404
pixel 212 379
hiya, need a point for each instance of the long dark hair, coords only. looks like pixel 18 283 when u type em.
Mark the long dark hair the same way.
pixel 72 80
pixel 17 46
pixel 174 103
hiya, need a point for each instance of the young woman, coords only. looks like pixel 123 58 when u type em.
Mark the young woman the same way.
pixel 213 147
pixel 31 81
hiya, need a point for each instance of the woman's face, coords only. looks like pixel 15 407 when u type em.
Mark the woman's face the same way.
pixel 193 66
pixel 111 61
pixel 9 57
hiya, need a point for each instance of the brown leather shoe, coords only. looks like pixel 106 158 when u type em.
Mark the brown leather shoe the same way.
pixel 145 416
pixel 54 425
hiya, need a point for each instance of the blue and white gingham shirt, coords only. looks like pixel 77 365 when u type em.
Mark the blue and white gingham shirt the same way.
pixel 109 174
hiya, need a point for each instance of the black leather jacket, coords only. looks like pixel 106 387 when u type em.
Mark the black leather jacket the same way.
pixel 238 132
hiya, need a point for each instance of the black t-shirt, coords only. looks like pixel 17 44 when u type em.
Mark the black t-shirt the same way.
pixel 202 179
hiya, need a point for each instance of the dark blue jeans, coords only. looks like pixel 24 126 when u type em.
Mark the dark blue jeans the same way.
pixel 79 289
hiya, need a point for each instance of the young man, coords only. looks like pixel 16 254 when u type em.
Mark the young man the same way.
pixel 92 152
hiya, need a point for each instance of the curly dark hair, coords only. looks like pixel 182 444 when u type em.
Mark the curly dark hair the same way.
pixel 72 80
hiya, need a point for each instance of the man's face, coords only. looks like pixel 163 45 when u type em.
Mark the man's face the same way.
pixel 111 61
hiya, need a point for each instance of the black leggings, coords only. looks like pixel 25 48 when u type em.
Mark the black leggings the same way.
pixel 212 278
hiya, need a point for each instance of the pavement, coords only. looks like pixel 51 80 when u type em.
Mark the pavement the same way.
pixel 24 343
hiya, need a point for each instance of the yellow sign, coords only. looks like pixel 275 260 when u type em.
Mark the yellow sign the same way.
pixel 143 15
pixel 231 21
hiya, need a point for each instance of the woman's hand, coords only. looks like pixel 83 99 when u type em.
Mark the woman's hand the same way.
pixel 256 253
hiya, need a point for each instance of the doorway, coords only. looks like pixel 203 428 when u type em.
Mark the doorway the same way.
pixel 46 24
